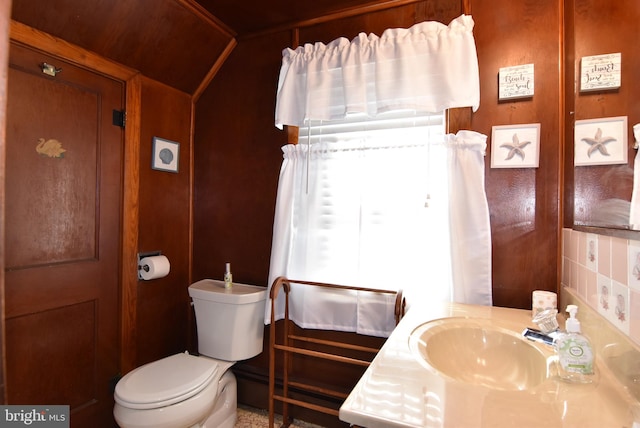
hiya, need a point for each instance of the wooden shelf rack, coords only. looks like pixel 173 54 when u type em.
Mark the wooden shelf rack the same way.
pixel 287 348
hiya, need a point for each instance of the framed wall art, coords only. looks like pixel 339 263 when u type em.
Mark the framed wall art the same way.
pixel 515 82
pixel 600 72
pixel 165 155
pixel 601 141
pixel 515 146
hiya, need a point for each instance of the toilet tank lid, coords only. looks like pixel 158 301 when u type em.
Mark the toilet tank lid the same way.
pixel 238 294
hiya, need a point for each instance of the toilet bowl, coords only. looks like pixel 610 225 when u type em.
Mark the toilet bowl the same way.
pixel 178 391
pixel 183 390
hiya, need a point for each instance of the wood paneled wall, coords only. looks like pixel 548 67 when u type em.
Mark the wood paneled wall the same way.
pixel 163 306
pixel 237 160
pixel 524 204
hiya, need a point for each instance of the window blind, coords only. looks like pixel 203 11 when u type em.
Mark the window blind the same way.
pixel 386 128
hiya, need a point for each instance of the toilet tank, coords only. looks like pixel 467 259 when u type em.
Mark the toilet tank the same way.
pixel 230 322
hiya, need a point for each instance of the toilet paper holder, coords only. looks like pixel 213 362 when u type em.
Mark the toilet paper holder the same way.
pixel 142 256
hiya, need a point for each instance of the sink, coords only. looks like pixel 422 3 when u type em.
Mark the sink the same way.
pixel 479 352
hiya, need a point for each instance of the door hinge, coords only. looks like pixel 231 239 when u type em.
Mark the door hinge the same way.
pixel 120 118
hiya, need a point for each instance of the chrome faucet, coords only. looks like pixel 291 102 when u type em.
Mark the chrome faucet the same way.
pixel 539 336
pixel 548 324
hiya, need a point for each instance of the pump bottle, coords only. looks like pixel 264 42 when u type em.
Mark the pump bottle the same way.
pixel 575 353
pixel 228 277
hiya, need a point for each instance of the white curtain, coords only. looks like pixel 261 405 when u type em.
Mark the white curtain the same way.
pixel 419 222
pixel 428 67
pixel 469 219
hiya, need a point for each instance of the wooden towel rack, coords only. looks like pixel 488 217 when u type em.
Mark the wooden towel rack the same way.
pixel 288 350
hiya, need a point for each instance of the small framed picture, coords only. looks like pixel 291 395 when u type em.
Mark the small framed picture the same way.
pixel 515 82
pixel 165 155
pixel 515 146
pixel 601 141
pixel 600 72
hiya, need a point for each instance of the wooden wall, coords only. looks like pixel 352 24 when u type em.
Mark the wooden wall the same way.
pixel 163 309
pixel 524 204
pixel 237 160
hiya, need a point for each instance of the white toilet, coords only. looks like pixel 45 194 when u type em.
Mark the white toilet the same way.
pixel 183 391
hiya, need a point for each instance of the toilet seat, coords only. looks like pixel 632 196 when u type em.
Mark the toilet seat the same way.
pixel 166 381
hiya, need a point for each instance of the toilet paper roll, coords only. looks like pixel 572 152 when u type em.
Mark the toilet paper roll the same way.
pixel 542 300
pixel 154 267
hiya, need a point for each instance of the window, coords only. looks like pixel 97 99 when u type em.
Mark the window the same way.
pixel 366 213
pixel 364 210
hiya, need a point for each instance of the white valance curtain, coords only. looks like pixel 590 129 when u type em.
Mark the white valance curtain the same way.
pixel 429 67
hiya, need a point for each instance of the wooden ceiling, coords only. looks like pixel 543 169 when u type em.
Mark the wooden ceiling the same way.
pixel 254 16
pixel 177 42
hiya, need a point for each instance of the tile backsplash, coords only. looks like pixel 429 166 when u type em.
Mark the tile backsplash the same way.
pixel 605 272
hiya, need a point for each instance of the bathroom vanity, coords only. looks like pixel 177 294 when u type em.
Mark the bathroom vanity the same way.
pixel 485 375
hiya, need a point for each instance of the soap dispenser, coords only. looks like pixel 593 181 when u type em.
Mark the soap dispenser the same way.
pixel 228 277
pixel 575 353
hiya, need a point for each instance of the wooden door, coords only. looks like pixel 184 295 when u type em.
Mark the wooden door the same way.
pixel 63 210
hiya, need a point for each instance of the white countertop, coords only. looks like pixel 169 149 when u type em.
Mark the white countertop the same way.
pixel 398 391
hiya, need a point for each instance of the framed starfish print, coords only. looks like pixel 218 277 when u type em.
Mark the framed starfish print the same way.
pixel 515 146
pixel 601 141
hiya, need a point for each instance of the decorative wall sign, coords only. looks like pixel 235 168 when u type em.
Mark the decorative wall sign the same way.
pixel 600 72
pixel 515 82
pixel 165 155
pixel 601 141
pixel 515 146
